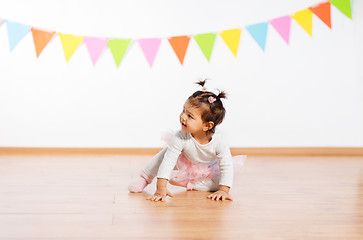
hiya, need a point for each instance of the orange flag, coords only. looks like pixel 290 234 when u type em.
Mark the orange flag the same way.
pixel 180 45
pixel 322 11
pixel 41 39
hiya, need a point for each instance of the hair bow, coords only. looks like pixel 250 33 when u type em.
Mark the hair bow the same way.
pixel 212 99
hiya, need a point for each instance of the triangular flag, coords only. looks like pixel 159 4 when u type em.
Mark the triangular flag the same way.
pixel 16 32
pixel 322 11
pixel 206 43
pixel 305 19
pixel 231 38
pixel 150 47
pixel 282 26
pixel 343 6
pixel 41 39
pixel 180 46
pixel 70 44
pixel 95 47
pixel 118 48
pixel 259 33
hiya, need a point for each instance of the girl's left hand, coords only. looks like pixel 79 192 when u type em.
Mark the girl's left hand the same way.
pixel 220 195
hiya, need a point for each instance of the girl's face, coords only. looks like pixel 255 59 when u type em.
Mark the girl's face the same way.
pixel 191 120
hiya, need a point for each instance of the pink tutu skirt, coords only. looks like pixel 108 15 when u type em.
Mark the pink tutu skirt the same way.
pixel 187 173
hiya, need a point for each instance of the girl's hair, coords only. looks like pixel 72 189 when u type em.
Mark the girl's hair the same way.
pixel 210 104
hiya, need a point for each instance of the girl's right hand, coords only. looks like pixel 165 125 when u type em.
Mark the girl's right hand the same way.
pixel 160 195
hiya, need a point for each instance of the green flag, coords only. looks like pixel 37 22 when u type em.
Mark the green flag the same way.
pixel 118 48
pixel 206 43
pixel 343 6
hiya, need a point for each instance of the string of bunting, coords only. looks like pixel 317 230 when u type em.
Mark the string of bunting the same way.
pixel 150 46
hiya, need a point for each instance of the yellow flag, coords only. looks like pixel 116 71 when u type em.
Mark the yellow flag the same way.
pixel 231 38
pixel 70 44
pixel 305 19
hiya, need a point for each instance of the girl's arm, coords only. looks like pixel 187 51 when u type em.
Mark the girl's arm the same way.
pixel 167 165
pixel 161 191
pixel 224 156
pixel 221 194
pixel 172 153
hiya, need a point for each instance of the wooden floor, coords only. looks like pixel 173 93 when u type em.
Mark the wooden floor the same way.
pixel 86 197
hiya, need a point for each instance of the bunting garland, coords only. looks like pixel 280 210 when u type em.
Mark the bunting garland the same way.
pixel 150 46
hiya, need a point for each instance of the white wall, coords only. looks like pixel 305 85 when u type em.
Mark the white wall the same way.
pixel 305 94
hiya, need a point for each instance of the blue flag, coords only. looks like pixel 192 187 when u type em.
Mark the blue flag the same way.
pixel 16 32
pixel 259 33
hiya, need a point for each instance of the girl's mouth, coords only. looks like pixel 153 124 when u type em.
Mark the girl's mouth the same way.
pixel 183 125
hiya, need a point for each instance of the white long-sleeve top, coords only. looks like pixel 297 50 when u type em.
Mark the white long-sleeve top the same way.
pixel 216 150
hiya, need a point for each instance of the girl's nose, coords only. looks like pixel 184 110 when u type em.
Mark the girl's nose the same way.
pixel 183 116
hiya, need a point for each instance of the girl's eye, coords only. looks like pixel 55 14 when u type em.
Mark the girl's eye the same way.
pixel 190 116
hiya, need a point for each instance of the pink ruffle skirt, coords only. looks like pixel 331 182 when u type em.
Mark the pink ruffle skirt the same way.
pixel 187 173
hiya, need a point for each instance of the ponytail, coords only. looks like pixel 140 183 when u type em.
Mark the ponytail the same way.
pixel 202 82
pixel 221 95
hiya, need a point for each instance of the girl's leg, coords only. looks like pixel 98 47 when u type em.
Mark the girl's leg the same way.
pixel 210 185
pixel 148 174
pixel 152 167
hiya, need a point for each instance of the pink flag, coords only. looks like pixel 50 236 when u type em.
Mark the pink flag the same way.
pixel 150 47
pixel 95 47
pixel 1 21
pixel 282 26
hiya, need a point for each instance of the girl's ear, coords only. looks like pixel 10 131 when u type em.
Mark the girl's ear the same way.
pixel 208 126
